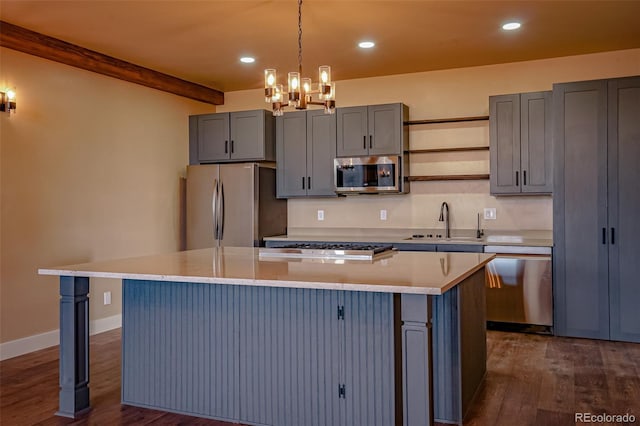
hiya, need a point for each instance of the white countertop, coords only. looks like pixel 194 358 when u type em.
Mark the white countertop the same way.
pixel 531 238
pixel 399 272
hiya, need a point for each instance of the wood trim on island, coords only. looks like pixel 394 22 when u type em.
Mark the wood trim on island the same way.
pixel 33 43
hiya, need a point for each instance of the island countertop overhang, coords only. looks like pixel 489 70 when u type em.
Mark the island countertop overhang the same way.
pixel 400 272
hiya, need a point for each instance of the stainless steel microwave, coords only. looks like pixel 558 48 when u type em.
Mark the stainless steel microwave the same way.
pixel 368 175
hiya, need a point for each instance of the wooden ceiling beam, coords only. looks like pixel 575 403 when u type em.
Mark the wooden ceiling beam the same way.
pixel 33 43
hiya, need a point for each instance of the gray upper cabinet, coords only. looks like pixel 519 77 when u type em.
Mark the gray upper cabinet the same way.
pixel 231 136
pixel 291 154
pixel 520 134
pixel 321 150
pixel 372 130
pixel 212 128
pixel 596 206
pixel 352 131
pixel 306 147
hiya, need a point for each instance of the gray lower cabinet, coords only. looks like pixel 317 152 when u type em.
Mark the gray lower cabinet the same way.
pixel 596 209
pixel 292 357
pixel 315 362
pixel 305 149
pixel 414 247
pixel 260 355
pixel 463 248
pixel 372 130
pixel 231 136
pixel 520 135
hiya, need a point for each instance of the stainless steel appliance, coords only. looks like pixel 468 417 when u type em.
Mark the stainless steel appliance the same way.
pixel 519 288
pixel 233 205
pixel 357 175
pixel 345 251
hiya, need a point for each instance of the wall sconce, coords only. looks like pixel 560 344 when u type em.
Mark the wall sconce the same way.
pixel 8 101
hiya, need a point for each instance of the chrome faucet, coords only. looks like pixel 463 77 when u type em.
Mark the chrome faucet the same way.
pixel 444 217
pixel 479 232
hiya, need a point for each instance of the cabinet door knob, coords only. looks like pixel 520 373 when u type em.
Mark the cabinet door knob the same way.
pixel 517 176
pixel 232 146
pixel 226 147
pixel 370 141
pixel 302 182
pixel 613 236
pixel 524 178
pixel 604 235
pixel 364 142
pixel 309 182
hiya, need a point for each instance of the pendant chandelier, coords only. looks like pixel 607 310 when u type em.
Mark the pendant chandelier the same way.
pixel 300 90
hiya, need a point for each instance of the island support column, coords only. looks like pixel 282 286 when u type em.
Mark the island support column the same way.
pixel 417 361
pixel 74 346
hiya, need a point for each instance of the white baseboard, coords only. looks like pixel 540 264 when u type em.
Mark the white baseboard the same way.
pixel 29 344
pixel 105 324
pixel 36 342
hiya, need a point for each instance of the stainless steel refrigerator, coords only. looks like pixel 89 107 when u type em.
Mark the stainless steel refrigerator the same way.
pixel 232 205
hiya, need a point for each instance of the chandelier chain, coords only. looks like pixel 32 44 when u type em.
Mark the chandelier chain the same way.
pixel 300 37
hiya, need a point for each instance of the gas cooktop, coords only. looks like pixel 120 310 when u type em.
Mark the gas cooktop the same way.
pixel 328 251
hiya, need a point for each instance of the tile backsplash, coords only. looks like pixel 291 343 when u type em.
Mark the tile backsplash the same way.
pixel 421 209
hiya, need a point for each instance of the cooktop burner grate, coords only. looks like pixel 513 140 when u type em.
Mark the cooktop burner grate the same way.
pixel 376 248
pixel 328 251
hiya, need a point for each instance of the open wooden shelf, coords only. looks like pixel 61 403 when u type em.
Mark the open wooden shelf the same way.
pixel 454 149
pixel 448 177
pixel 447 120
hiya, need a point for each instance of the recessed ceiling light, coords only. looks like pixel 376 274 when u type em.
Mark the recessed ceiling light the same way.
pixel 366 44
pixel 247 60
pixel 511 26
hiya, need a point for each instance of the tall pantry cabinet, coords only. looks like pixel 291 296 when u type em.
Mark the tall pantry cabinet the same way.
pixel 597 209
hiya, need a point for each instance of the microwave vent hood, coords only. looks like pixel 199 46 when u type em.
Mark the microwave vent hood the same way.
pixel 371 175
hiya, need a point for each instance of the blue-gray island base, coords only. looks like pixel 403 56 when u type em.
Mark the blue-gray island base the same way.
pixel 282 355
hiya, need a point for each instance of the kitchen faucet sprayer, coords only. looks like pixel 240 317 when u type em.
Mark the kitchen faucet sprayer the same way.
pixel 444 217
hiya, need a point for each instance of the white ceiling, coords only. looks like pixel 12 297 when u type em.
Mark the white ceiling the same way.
pixel 202 41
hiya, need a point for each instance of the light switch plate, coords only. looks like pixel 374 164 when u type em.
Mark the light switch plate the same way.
pixel 107 297
pixel 490 213
pixel 320 214
pixel 383 214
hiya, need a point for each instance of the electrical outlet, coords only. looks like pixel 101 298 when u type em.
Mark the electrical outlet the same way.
pixel 320 214
pixel 107 297
pixel 383 214
pixel 490 213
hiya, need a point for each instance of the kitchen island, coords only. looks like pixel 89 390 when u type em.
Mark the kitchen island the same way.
pixel 226 333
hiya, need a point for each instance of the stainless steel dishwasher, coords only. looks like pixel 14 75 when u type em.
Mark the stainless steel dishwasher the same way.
pixel 519 289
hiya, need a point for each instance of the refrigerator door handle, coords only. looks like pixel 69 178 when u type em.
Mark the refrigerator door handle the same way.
pixel 214 209
pixel 221 211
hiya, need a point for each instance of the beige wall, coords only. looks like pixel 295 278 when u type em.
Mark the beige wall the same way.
pixel 448 93
pixel 90 170
pixel 90 167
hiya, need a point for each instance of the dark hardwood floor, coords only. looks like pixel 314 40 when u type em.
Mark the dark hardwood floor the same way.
pixel 531 380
